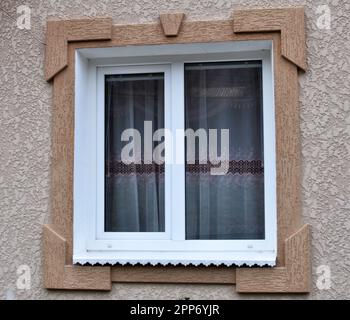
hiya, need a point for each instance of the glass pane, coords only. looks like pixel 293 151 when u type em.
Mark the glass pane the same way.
pixel 225 95
pixel 134 192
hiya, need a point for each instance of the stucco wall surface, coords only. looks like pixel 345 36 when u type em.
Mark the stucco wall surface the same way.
pixel 25 124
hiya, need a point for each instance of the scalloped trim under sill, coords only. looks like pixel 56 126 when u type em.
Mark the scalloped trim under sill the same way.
pixel 260 260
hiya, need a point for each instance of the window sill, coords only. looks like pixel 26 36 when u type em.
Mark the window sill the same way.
pixel 243 258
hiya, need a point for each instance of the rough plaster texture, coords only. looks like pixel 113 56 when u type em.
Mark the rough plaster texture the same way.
pixel 25 115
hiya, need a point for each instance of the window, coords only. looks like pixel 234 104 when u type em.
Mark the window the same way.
pixel 74 54
pixel 175 155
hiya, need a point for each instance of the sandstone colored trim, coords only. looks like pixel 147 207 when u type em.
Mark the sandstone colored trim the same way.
pixel 290 21
pixel 291 274
pixel 171 23
pixel 293 278
pixel 58 275
pixel 56 49
pixel 174 274
pixel 59 33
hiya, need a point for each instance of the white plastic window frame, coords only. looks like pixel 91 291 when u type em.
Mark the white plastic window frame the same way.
pixel 91 244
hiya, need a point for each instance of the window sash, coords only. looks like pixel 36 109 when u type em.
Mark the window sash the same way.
pixel 100 136
pixel 90 242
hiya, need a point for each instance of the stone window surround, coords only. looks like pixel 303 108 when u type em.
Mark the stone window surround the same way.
pixel 286 28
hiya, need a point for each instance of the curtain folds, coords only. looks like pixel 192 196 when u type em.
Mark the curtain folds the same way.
pixel 134 194
pixel 226 96
pixel 218 95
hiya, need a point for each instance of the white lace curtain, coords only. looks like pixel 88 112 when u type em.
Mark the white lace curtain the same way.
pixel 134 199
pixel 230 206
pixel 217 96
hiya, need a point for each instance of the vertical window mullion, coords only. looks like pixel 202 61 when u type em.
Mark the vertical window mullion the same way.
pixel 168 151
pixel 178 163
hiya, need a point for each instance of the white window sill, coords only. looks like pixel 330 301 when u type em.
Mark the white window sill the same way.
pixel 251 258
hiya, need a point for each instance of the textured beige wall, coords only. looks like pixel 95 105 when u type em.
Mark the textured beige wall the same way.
pixel 25 115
